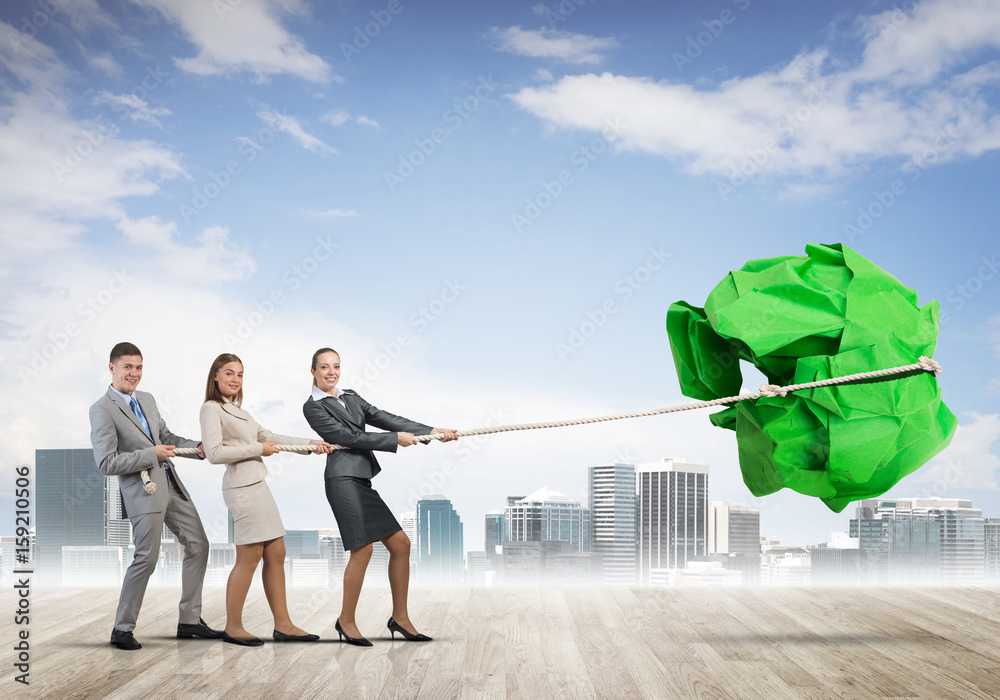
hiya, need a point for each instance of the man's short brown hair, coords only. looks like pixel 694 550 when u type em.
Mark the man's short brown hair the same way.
pixel 124 349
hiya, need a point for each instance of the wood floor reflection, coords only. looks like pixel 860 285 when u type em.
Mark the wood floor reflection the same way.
pixel 536 642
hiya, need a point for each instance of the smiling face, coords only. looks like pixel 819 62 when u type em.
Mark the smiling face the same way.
pixel 229 379
pixel 326 374
pixel 126 372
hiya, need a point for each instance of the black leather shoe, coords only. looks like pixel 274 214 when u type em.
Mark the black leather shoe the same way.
pixel 124 640
pixel 396 627
pixel 200 630
pixel 358 642
pixel 282 637
pixel 252 642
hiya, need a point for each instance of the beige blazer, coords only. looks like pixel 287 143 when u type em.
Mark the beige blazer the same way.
pixel 232 437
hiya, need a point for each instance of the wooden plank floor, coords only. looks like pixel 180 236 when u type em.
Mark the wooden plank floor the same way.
pixel 535 642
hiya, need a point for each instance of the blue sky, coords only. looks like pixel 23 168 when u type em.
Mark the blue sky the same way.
pixel 447 192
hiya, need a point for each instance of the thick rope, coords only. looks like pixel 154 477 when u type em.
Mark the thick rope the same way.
pixel 924 364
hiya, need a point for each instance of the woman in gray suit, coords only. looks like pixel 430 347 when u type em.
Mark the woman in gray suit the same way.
pixel 232 437
pixel 339 417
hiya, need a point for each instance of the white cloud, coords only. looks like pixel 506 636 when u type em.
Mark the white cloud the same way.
pixel 916 48
pixel 291 126
pixel 336 117
pixel 810 118
pixel 968 462
pixel 58 171
pixel 339 117
pixel 329 213
pixel 801 192
pixel 86 16
pixel 247 36
pixel 136 109
pixel 552 43
pixel 214 258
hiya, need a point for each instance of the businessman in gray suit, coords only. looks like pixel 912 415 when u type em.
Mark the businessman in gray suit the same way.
pixel 129 436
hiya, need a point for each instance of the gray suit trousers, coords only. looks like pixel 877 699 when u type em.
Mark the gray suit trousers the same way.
pixel 182 519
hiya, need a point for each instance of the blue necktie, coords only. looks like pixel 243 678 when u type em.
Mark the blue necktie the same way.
pixel 142 419
pixel 138 414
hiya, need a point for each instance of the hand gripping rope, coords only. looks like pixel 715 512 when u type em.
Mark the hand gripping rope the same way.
pixel 924 364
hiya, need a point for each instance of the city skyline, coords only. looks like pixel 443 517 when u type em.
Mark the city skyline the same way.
pixel 487 208
pixel 652 526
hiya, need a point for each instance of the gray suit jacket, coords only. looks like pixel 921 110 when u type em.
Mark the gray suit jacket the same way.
pixel 340 426
pixel 123 448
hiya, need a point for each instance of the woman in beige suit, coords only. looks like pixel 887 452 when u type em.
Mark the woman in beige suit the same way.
pixel 232 437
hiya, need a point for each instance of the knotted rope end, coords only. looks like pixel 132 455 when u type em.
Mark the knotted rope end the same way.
pixel 929 365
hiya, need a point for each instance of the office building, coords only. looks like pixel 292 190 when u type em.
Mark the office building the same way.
pixel 301 544
pixel 440 542
pixel 408 521
pixel 119 529
pixel 494 537
pixel 71 507
pixel 922 540
pixel 991 530
pixel 542 562
pixel 672 515
pixel 98 566
pixel 612 505
pixel 475 568
pixel 733 529
pixel 547 515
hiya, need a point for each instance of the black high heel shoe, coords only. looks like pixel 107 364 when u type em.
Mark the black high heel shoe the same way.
pixel 358 642
pixel 282 637
pixel 396 627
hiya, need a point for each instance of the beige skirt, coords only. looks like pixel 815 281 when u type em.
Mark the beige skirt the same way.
pixel 255 514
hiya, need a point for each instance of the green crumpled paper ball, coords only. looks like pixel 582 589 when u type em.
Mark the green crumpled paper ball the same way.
pixel 802 319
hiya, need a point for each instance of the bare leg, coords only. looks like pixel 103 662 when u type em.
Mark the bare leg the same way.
pixel 398 545
pixel 274 586
pixel 247 558
pixel 354 576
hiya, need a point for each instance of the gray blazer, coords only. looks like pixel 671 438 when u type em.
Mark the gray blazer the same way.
pixel 123 448
pixel 340 426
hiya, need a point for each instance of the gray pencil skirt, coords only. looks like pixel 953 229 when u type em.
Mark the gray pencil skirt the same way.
pixel 255 514
pixel 361 514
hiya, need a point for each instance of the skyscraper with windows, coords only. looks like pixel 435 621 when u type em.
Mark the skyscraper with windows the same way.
pixel 440 541
pixel 494 537
pixel 672 516
pixel 119 529
pixel 611 493
pixel 71 506
pixel 733 529
pixel 922 540
pixel 548 515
